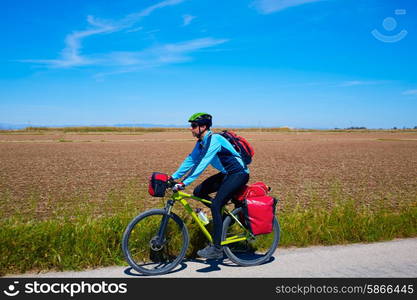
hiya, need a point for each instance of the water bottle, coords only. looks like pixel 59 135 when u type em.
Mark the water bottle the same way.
pixel 202 216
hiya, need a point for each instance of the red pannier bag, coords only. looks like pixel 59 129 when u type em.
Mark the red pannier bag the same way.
pixel 158 183
pixel 258 208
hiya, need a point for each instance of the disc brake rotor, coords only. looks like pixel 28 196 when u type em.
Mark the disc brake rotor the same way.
pixel 156 245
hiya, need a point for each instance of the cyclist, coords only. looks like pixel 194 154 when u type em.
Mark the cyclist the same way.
pixel 212 149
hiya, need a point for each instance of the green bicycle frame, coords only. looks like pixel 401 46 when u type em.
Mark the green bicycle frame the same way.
pixel 181 197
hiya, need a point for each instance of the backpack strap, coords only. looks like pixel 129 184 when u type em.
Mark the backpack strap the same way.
pixel 202 154
pixel 225 132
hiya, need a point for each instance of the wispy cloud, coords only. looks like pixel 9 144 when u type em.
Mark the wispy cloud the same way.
pixel 71 55
pixel 361 82
pixel 135 29
pixel 155 56
pixel 147 11
pixel 410 92
pixel 158 55
pixel 271 6
pixel 187 19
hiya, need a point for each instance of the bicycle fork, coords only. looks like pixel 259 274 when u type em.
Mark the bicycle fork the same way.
pixel 157 243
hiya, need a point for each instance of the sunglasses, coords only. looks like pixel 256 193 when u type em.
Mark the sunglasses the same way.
pixel 194 125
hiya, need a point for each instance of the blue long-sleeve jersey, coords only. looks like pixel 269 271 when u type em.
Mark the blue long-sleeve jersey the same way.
pixel 215 150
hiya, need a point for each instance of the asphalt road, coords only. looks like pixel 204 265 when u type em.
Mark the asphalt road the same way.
pixel 397 258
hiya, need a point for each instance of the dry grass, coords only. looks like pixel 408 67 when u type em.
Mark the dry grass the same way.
pixel 40 172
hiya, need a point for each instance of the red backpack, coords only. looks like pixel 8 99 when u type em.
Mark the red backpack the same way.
pixel 240 144
pixel 258 208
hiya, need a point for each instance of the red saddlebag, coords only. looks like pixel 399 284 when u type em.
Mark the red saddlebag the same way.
pixel 259 213
pixel 258 207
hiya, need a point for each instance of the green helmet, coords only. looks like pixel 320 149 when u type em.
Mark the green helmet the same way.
pixel 201 119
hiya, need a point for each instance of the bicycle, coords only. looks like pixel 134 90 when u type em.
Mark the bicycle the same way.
pixel 156 241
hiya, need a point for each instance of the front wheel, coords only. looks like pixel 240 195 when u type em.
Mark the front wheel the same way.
pixel 249 252
pixel 150 252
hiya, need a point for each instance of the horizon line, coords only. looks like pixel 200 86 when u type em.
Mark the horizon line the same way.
pixel 22 126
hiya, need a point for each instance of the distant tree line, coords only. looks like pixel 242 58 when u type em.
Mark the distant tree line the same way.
pixel 364 128
pixel 395 128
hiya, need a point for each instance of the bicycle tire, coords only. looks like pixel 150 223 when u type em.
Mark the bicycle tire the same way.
pixel 249 253
pixel 136 245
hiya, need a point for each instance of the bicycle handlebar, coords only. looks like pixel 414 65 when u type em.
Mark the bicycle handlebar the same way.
pixel 171 183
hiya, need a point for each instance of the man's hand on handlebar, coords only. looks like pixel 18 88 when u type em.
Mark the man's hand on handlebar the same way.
pixel 178 187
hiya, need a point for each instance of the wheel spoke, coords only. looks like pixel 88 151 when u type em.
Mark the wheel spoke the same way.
pixel 249 251
pixel 142 249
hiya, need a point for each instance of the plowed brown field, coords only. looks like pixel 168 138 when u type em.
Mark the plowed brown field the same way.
pixel 300 166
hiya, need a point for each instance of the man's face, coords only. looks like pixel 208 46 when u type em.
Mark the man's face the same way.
pixel 195 129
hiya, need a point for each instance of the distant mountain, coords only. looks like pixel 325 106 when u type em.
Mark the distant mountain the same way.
pixel 147 125
pixel 7 126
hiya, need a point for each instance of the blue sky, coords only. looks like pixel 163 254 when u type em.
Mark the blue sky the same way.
pixel 298 63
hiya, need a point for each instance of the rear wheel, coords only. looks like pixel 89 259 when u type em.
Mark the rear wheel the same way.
pixel 250 252
pixel 146 252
